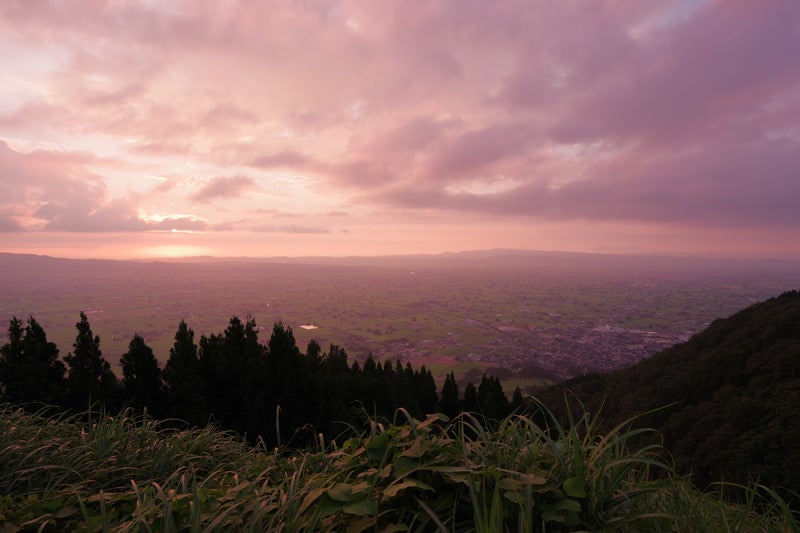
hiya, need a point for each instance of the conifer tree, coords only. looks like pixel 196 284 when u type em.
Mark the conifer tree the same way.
pixel 517 400
pixel 141 379
pixel 335 360
pixel 234 372
pixel 491 398
pixel 449 403
pixel 214 372
pixel 425 391
pixel 288 381
pixel 249 377
pixel 90 378
pixel 314 355
pixel 183 378
pixel 30 370
pixel 471 398
pixel 11 359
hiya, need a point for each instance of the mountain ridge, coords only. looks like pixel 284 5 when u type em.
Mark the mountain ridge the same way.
pixel 724 401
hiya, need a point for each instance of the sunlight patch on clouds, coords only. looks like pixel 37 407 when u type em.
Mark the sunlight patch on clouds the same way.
pixel 177 250
pixel 156 218
pixel 26 146
pixel 484 186
pixel 785 134
pixel 670 14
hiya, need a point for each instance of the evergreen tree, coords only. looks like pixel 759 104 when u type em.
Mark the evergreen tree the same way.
pixel 30 370
pixel 184 380
pixel 331 391
pixel 214 369
pixel 90 377
pixel 449 403
pixel 405 394
pixel 335 361
pixel 289 385
pixel 282 345
pixel 250 376
pixel 235 375
pixel 142 377
pixel 491 398
pixel 11 355
pixel 370 366
pixel 517 400
pixel 471 398
pixel 425 391
pixel 314 355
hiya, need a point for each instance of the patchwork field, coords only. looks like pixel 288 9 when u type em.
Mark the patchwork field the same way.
pixel 529 317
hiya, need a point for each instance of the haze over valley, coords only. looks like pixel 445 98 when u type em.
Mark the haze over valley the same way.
pixel 527 317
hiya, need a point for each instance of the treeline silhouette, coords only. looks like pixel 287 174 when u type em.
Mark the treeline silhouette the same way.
pixel 274 392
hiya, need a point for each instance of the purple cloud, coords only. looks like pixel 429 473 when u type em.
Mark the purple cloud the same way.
pixel 224 187
pixel 291 229
pixel 8 224
pixel 283 159
pixel 668 112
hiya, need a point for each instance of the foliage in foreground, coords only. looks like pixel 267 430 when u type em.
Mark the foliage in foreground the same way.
pixel 129 473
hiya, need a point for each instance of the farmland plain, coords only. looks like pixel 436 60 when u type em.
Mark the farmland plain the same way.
pixel 528 317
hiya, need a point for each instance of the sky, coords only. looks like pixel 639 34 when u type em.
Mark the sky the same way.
pixel 144 129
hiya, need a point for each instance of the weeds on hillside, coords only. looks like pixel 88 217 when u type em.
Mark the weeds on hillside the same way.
pixel 129 473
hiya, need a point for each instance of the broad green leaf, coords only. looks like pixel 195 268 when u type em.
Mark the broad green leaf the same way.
pixel 392 490
pixel 360 488
pixel 515 497
pixel 310 498
pixel 328 505
pixel 416 450
pixel 511 484
pixel 52 505
pixel 458 477
pixel 340 492
pixel 361 508
pixel 533 479
pixel 432 419
pixel 568 505
pixel 377 446
pixel 575 487
pixel 403 466
pixel 367 473
pixel 360 525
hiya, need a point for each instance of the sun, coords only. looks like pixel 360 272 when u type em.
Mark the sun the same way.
pixel 176 250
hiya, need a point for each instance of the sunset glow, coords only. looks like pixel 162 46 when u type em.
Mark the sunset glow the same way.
pixel 136 129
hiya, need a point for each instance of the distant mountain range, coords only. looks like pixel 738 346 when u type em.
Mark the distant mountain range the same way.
pixel 492 255
pixel 726 402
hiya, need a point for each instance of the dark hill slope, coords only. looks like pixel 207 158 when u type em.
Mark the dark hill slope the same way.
pixel 732 391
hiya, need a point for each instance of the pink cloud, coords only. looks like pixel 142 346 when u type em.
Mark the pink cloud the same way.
pixel 9 223
pixel 720 186
pixel 44 174
pixel 61 191
pixel 474 152
pixel 693 79
pixel 653 112
pixel 283 159
pixel 224 187
pixel 291 229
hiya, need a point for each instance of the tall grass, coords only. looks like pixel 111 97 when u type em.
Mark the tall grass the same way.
pixel 128 473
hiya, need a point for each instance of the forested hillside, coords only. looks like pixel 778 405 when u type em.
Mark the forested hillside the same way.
pixel 725 401
pixel 273 392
